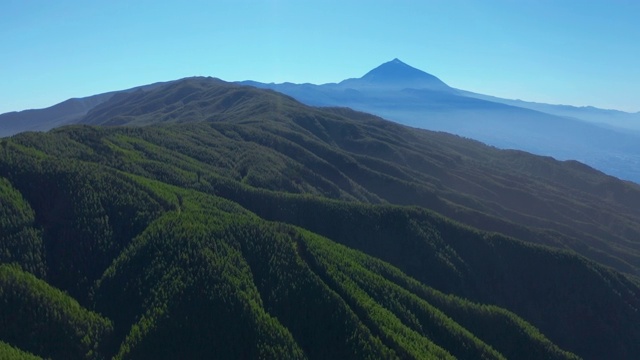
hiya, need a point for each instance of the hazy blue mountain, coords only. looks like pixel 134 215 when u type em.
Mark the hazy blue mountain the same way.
pixel 401 93
pixel 604 117
pixel 395 75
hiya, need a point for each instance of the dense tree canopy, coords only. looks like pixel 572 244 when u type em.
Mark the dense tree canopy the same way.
pixel 241 224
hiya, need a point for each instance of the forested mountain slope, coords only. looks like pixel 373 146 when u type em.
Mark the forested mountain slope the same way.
pixel 242 224
pixel 271 141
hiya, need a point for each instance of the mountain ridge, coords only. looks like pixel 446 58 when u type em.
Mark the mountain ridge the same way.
pixel 8 122
pixel 306 233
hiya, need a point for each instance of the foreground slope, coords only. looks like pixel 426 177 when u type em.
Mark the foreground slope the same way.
pixel 206 278
pixel 149 228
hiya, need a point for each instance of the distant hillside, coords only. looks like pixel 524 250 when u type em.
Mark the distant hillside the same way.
pixel 606 118
pixel 234 222
pixel 64 113
pixel 606 140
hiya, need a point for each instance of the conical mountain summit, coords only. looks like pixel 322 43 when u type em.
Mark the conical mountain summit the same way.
pixel 395 74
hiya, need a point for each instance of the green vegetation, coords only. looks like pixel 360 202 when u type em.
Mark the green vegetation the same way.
pixel 20 241
pixel 241 224
pixel 42 319
pixel 9 352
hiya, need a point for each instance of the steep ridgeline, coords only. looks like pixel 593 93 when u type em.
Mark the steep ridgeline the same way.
pixel 241 224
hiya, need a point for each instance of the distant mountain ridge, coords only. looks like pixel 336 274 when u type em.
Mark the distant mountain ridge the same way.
pixel 605 139
pixel 604 117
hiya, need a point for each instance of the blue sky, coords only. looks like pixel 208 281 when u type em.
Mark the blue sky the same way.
pixel 570 52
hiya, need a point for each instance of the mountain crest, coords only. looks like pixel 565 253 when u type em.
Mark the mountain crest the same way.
pixel 395 74
pixel 394 68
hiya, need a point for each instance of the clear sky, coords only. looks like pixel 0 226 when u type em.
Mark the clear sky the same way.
pixel 582 52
